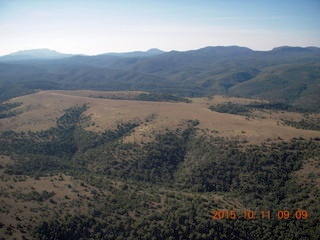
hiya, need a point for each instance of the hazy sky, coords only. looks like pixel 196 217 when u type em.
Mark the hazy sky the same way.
pixel 93 26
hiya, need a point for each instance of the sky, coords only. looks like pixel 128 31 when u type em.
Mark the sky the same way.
pixel 99 26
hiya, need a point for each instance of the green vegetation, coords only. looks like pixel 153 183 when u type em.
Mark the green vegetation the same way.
pixel 231 108
pixel 308 124
pixel 246 109
pixel 161 98
pixel 34 196
pixel 152 97
pixel 5 109
pixel 275 106
pixel 166 188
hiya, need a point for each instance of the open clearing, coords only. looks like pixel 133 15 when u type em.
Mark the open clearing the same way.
pixel 40 111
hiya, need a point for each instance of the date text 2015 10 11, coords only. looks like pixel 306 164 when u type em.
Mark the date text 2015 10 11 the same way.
pixel 263 214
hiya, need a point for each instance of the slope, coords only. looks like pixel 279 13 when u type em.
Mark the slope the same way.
pixel 77 166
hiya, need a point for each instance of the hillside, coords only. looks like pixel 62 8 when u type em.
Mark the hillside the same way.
pixel 139 165
pixel 286 74
pixel 107 109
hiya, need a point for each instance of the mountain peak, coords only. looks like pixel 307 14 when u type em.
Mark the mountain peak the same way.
pixel 150 52
pixel 290 49
pixel 43 53
pixel 154 51
pixel 35 51
pixel 225 48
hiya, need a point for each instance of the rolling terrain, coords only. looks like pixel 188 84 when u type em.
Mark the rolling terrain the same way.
pixel 39 112
pixel 286 74
pixel 145 165
pixel 214 143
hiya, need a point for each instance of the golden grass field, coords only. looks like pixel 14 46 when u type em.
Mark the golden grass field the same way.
pixel 40 111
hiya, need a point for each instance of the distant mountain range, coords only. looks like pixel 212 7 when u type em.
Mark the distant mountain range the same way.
pixel 51 54
pixel 34 54
pixel 285 74
pixel 150 52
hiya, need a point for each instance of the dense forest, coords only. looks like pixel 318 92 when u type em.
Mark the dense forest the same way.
pixel 169 186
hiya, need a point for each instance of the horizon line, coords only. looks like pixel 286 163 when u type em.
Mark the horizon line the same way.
pixel 153 48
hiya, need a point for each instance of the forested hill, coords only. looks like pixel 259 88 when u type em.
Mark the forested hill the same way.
pixel 285 74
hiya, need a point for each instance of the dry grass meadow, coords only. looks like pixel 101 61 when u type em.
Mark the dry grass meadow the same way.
pixel 40 111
